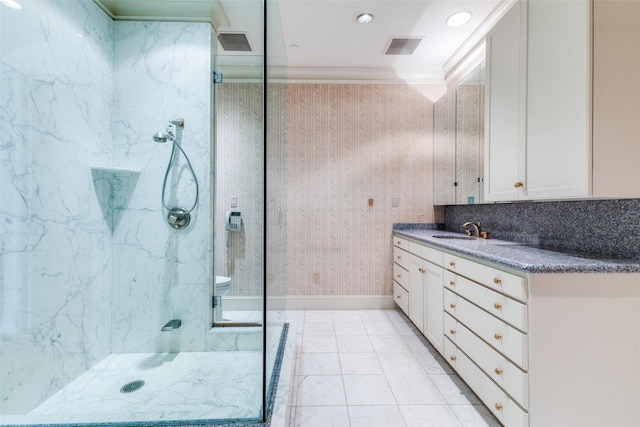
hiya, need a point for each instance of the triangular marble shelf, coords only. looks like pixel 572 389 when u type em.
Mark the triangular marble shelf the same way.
pixel 114 187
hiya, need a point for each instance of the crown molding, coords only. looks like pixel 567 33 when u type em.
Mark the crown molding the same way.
pixel 477 37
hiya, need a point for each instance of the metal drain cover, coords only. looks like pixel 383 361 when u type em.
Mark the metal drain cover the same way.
pixel 132 386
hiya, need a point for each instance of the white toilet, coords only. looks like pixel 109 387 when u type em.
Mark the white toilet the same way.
pixel 223 286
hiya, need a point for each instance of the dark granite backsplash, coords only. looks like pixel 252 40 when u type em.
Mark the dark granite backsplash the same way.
pixel 605 227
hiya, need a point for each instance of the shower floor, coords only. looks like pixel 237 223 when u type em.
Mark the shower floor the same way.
pixel 194 386
pixel 178 386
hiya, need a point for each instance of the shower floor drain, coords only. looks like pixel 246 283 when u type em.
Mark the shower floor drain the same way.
pixel 132 386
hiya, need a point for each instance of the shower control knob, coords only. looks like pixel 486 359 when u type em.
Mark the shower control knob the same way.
pixel 178 218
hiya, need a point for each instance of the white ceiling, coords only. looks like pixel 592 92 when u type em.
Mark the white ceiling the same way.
pixel 331 45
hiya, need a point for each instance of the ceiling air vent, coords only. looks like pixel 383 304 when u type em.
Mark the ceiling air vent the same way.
pixel 237 42
pixel 402 45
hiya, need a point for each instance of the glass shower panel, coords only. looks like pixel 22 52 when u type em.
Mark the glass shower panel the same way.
pixel 106 306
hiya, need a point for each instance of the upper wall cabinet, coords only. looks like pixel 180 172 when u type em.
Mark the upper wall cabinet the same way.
pixel 562 101
pixel 538 102
pixel 458 137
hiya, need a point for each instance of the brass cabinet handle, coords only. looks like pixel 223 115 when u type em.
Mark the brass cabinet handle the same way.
pixel 497 336
pixel 497 280
pixel 498 407
pixel 518 184
pixel 399 257
pixel 497 306
pixel 398 297
pixel 452 305
pixel 452 263
pixel 453 358
pixel 399 275
pixel 422 270
pixel 452 283
pixel 398 243
pixel 452 331
pixel 498 371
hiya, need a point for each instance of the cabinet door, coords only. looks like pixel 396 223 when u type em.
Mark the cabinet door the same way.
pixel 434 300
pixel 505 109
pixel 558 107
pixel 417 286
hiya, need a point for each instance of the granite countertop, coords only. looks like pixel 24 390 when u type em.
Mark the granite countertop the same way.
pixel 525 258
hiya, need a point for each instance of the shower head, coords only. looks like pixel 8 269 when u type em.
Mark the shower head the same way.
pixel 162 137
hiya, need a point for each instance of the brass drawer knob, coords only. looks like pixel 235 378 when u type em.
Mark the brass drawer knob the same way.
pixel 453 358
pixel 398 297
pixel 498 407
pixel 452 331
pixel 497 280
pixel 422 270
pixel 399 257
pixel 452 283
pixel 518 184
pixel 497 306
pixel 399 275
pixel 452 263
pixel 452 305
pixel 497 336
pixel 498 371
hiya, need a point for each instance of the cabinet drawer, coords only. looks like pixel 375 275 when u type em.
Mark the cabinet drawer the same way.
pixel 503 307
pixel 401 257
pixel 500 405
pixel 401 243
pixel 501 281
pixel 504 373
pixel 432 255
pixel 401 276
pixel 504 338
pixel 401 297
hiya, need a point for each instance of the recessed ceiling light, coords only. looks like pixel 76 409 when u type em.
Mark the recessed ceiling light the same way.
pixel 364 18
pixel 458 19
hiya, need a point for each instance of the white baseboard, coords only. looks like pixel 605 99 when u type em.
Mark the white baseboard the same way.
pixel 333 302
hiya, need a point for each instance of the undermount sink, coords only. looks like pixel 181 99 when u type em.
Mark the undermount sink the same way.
pixel 455 237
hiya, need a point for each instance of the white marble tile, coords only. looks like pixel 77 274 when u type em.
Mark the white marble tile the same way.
pixel 320 390
pixel 319 364
pixel 454 390
pixel 319 344
pixel 354 344
pixel 373 316
pixel 360 363
pixel 375 416
pixel 400 363
pixel 429 416
pixel 434 365
pixel 474 416
pixel 321 416
pixel 340 316
pixel 318 329
pixel 368 390
pixel 380 328
pixel 316 316
pixel 417 343
pixel 350 328
pixel 389 344
pixel 415 390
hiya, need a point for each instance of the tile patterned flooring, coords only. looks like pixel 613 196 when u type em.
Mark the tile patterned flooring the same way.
pixel 373 368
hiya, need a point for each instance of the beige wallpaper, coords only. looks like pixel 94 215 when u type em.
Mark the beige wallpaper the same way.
pixel 346 144
pixel 331 148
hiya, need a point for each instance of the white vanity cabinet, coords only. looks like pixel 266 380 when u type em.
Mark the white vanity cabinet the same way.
pixel 539 349
pixel 418 276
pixel 538 106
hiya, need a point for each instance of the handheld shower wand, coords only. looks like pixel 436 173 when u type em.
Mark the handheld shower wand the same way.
pixel 178 217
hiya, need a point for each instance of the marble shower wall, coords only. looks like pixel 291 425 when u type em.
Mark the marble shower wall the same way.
pixel 55 246
pixel 162 70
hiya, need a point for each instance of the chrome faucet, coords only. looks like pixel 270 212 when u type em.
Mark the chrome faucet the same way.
pixel 476 228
